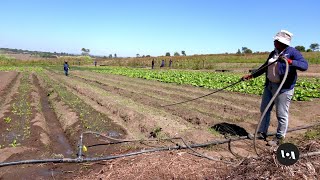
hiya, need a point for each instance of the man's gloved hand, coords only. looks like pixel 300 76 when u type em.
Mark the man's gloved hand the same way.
pixel 247 77
pixel 287 59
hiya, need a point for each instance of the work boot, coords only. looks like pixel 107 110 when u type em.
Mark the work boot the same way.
pixel 276 141
pixel 262 136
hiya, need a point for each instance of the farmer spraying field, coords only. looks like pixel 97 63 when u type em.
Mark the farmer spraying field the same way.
pixel 274 76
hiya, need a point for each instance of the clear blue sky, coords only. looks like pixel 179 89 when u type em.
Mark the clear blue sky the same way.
pixel 154 27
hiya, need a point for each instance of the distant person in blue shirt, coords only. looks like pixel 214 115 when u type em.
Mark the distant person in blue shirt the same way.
pixel 162 64
pixel 274 76
pixel 66 68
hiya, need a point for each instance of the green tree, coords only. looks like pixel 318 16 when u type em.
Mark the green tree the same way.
pixel 314 46
pixel 176 54
pixel 300 48
pixel 238 52
pixel 309 50
pixel 110 55
pixel 115 55
pixel 85 52
pixel 183 53
pixel 168 54
pixel 246 50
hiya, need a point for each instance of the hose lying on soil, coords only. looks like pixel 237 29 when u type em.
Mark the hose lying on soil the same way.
pixel 121 141
pixel 230 85
pixel 83 160
pixel 218 90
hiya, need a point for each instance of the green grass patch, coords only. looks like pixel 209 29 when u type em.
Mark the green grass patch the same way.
pixel 214 132
pixel 313 133
pixel 22 68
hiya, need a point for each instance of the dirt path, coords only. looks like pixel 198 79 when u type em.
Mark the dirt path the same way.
pixel 8 80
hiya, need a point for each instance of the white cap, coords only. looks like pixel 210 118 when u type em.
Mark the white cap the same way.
pixel 284 37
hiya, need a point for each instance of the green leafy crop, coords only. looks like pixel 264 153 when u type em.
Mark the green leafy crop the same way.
pixel 306 88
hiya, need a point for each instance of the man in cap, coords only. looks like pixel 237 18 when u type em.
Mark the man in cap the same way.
pixel 274 76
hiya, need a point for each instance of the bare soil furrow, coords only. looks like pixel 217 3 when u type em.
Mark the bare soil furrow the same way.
pixel 8 80
pixel 249 109
pixel 148 98
pixel 136 117
pixel 171 87
pixel 191 112
pixel 216 111
pixel 58 141
pixel 149 101
pixel 16 119
pixel 228 99
pixel 84 118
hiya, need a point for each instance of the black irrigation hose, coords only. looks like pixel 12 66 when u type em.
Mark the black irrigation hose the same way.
pixel 231 151
pixel 118 141
pixel 250 136
pixel 230 85
pixel 136 140
pixel 310 154
pixel 269 104
pixel 82 160
pixel 122 141
pixel 297 128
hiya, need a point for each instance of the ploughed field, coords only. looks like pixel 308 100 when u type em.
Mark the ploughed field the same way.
pixel 43 113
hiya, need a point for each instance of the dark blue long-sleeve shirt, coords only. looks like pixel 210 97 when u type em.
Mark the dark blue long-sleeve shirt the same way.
pixel 298 63
pixel 66 67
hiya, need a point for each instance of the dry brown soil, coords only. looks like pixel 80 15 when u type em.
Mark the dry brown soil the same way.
pixel 134 107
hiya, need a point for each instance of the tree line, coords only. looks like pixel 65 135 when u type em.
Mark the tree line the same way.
pixel 312 47
pixel 183 53
pixel 43 54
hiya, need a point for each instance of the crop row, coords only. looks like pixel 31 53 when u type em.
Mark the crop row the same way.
pixel 22 68
pixel 17 121
pixel 306 88
pixel 90 119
